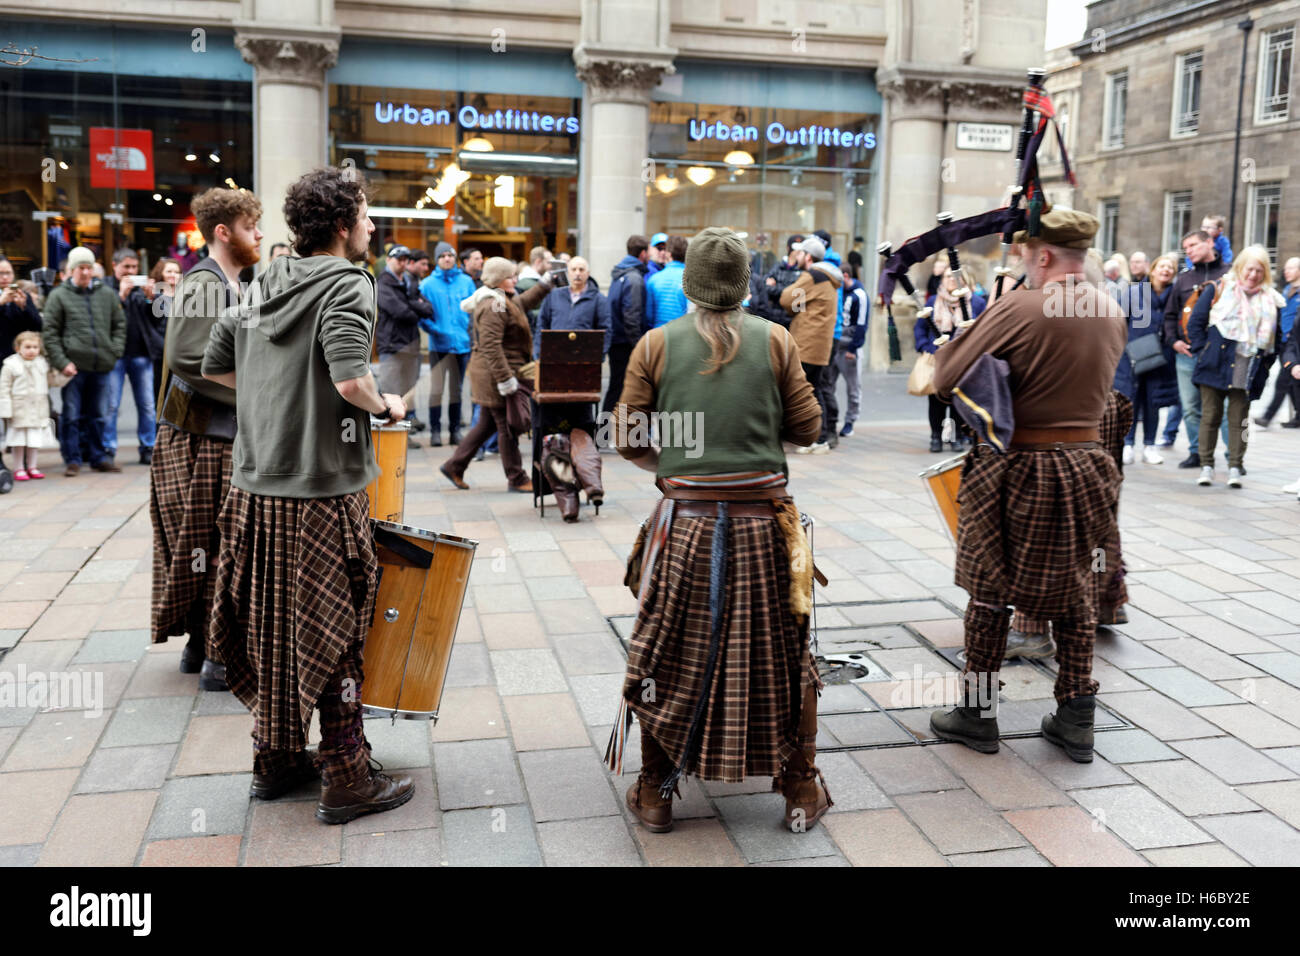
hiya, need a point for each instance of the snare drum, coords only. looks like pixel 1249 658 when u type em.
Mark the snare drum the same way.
pixel 423 576
pixel 388 492
pixel 944 480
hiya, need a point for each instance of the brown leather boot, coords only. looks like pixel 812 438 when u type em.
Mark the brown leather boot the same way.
pixel 586 462
pixel 643 799
pixel 806 798
pixel 375 793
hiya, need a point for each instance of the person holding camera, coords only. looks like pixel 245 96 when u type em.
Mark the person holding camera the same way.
pixel 18 309
pixel 144 339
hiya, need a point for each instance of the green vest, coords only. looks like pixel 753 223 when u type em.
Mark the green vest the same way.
pixel 724 422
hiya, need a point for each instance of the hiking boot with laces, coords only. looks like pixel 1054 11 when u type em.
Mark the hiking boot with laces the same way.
pixel 375 793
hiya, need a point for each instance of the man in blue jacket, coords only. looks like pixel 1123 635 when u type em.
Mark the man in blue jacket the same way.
pixel 658 253
pixel 664 298
pixel 848 343
pixel 626 313
pixel 446 287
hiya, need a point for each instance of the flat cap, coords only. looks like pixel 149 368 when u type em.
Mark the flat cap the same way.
pixel 1063 227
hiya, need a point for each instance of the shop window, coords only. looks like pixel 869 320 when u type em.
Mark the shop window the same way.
pixel 1109 226
pixel 498 172
pixel 106 161
pixel 767 173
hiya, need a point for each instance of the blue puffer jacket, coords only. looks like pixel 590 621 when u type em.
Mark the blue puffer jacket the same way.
pixel 559 311
pixel 664 299
pixel 449 328
pixel 833 256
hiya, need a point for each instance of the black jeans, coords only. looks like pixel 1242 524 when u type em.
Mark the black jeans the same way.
pixel 618 359
pixel 1284 387
pixel 938 412
pixel 819 378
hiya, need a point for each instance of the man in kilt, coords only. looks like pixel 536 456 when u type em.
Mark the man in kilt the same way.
pixel 1029 637
pixel 297 572
pixel 719 672
pixel 1032 520
pixel 190 473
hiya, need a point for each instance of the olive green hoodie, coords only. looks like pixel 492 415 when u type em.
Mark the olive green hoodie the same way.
pixel 305 324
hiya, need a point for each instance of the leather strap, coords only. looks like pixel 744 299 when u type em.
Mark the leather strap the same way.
pixel 1055 445
pixel 709 509
pixel 1051 436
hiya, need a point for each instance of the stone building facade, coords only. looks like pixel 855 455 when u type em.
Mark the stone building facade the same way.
pixel 1174 158
pixel 275 87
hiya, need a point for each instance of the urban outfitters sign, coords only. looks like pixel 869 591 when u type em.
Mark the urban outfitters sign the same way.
pixel 777 134
pixel 468 117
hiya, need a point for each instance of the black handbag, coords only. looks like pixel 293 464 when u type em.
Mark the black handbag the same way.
pixel 1145 354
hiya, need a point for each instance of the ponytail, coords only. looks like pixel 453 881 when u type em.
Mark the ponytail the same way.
pixel 722 336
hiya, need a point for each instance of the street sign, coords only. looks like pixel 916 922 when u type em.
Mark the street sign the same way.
pixel 995 137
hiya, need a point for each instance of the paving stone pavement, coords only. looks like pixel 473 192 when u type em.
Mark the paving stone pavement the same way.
pixel 109 756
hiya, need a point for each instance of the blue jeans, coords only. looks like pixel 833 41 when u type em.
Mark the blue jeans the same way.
pixel 140 368
pixel 491 444
pixel 85 418
pixel 1172 422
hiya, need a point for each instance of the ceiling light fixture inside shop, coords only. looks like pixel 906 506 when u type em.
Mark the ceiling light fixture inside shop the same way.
pixel 738 157
pixel 700 175
pixel 478 144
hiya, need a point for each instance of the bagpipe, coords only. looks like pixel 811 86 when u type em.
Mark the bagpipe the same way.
pixel 1027 203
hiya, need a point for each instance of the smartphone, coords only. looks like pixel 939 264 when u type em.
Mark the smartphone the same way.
pixel 138 280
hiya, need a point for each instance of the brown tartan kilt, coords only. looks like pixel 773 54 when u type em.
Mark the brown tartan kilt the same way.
pixel 188 482
pixel 296 584
pixel 1116 420
pixel 1028 525
pixel 763 664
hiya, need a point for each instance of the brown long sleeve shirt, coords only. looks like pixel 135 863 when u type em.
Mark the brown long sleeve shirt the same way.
pixel 1063 344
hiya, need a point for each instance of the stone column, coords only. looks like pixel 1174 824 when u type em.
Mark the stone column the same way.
pixel 289 110
pixel 910 192
pixel 616 147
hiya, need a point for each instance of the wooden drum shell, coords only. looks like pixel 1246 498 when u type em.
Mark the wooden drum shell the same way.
pixel 943 481
pixel 417 611
pixel 387 493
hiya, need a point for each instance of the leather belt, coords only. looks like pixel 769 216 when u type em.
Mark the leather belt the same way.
pixel 735 509
pixel 718 494
pixel 1050 437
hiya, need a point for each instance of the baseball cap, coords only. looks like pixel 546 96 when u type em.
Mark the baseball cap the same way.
pixel 399 252
pixel 659 239
pixel 813 246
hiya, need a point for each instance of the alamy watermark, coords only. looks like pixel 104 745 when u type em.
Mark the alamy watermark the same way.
pixel 683 430
pixel 55 690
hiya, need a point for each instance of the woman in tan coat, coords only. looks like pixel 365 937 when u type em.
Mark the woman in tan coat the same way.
pixel 502 345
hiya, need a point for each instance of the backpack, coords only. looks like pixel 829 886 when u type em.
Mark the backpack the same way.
pixel 1186 316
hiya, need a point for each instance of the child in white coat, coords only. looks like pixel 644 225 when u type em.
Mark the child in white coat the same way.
pixel 25 402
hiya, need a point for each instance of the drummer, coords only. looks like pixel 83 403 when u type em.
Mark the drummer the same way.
pixel 297 572
pixel 719 671
pixel 1032 518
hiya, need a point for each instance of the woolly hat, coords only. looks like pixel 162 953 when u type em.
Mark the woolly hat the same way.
pixel 717 270
pixel 80 256
pixel 440 248
pixel 495 271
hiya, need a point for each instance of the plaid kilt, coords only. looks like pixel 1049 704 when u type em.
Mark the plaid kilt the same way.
pixel 296 583
pixel 750 722
pixel 1028 524
pixel 1116 420
pixel 188 482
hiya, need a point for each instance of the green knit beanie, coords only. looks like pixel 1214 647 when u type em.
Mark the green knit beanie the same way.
pixel 717 270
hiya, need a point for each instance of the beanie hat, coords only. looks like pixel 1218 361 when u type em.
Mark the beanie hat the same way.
pixel 440 248
pixel 813 246
pixel 717 270
pixel 495 271
pixel 80 256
